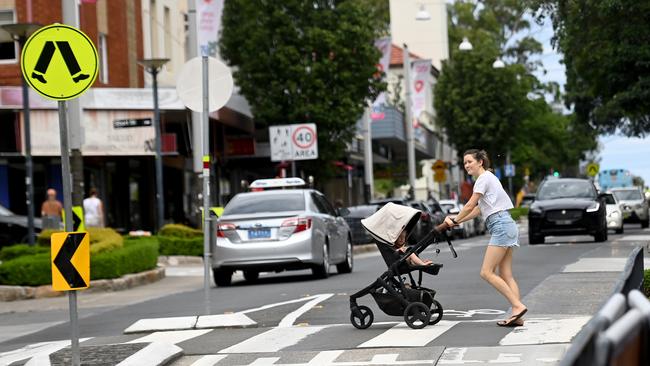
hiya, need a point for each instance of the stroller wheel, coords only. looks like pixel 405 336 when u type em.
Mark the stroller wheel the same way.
pixel 417 315
pixel 361 317
pixel 436 312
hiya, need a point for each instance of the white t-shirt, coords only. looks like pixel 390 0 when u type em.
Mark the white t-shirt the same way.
pixel 494 198
pixel 92 211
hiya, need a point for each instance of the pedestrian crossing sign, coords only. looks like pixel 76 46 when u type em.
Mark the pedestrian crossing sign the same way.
pixel 59 61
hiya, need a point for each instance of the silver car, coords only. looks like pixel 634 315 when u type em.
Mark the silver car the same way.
pixel 614 213
pixel 279 230
pixel 634 205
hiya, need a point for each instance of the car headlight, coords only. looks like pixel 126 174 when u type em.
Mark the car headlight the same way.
pixel 614 214
pixel 594 207
pixel 535 210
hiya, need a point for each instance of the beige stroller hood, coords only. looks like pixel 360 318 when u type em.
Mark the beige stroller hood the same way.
pixel 387 223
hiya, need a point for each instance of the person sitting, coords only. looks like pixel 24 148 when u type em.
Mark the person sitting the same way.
pixel 413 259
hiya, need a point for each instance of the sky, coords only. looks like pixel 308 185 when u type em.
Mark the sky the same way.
pixel 616 151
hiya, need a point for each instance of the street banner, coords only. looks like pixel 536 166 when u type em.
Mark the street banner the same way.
pixel 420 71
pixel 384 45
pixel 208 23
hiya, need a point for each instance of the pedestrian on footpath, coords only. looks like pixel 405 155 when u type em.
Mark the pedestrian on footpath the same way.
pixel 51 211
pixel 93 210
pixel 491 200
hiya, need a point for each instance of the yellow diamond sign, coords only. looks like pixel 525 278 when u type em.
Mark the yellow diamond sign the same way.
pixel 592 169
pixel 59 62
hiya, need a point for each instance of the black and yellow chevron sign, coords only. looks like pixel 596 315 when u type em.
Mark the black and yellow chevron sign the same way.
pixel 70 261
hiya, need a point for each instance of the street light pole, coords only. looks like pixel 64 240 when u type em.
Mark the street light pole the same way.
pixel 20 32
pixel 153 67
pixel 410 147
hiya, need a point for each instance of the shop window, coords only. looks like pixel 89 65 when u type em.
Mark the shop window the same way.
pixel 8 50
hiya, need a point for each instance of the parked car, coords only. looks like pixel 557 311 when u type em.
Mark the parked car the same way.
pixel 614 213
pixel 465 229
pixel 634 205
pixel 567 206
pixel 277 230
pixel 357 213
pixel 437 212
pixel 13 228
pixel 425 225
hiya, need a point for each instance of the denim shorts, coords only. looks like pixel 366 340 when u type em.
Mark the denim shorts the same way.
pixel 503 229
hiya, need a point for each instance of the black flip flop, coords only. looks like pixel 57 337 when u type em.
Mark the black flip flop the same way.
pixel 511 322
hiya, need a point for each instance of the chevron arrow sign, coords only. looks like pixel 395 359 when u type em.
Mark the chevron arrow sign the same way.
pixel 70 261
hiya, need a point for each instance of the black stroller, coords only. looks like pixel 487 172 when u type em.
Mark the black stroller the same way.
pixel 391 292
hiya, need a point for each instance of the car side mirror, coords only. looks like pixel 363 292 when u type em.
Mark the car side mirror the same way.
pixel 343 211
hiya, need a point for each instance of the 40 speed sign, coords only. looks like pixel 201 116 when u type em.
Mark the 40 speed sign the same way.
pixel 293 142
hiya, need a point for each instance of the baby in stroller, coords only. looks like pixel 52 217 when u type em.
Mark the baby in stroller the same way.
pixel 390 227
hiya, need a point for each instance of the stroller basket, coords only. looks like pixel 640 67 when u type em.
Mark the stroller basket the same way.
pixel 392 305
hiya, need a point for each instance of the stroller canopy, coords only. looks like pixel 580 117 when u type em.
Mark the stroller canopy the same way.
pixel 387 223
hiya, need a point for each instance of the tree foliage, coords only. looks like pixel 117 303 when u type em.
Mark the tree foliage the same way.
pixel 503 109
pixel 305 61
pixel 606 47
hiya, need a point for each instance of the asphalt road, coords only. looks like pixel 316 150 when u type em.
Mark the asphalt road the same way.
pixel 458 287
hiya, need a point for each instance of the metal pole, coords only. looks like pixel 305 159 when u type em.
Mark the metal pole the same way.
pixel 509 176
pixel 67 207
pixel 197 128
pixel 368 191
pixel 160 197
pixel 29 167
pixel 206 187
pixel 293 168
pixel 349 186
pixel 410 147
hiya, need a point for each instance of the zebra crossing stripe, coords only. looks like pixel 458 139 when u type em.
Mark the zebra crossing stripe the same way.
pixel 273 340
pixel 209 360
pixel 547 330
pixel 173 337
pixel 324 358
pixel 156 353
pixel 403 336
pixel 34 351
pixel 264 361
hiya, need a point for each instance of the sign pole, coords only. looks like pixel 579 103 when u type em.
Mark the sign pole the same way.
pixel 206 186
pixel 67 208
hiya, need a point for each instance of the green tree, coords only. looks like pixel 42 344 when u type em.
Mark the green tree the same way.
pixel 305 61
pixel 606 47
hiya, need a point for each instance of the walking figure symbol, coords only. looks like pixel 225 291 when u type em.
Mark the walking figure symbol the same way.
pixel 68 56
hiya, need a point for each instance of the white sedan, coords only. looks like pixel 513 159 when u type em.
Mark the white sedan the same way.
pixel 614 213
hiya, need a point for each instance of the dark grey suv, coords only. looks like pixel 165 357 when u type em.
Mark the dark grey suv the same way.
pixel 567 206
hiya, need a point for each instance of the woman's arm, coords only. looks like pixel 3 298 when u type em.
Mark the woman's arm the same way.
pixel 466 212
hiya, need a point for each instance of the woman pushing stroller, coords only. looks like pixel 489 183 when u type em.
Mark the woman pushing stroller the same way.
pixel 490 200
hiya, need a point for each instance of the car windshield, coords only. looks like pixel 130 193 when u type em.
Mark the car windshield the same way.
pixel 628 195
pixel 609 199
pixel 257 203
pixel 566 189
pixel 5 212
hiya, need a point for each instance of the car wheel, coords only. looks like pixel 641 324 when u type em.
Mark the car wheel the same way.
pixel 222 277
pixel 323 270
pixel 347 265
pixel 535 239
pixel 251 276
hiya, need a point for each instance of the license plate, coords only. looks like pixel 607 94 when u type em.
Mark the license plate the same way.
pixel 259 234
pixel 563 222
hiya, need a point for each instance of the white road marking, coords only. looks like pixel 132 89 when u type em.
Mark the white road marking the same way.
pixel 38 351
pixel 209 360
pixel 324 358
pixel 264 361
pixel 273 340
pixel 386 358
pixel 158 324
pixel 290 318
pixel 507 358
pixel 540 331
pixel 403 336
pixel 173 337
pixel 635 238
pixel 224 320
pixel 156 353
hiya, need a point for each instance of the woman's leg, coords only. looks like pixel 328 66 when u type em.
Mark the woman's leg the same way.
pixel 494 256
pixel 505 272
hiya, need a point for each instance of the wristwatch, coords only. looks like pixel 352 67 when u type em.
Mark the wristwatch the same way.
pixel 454 221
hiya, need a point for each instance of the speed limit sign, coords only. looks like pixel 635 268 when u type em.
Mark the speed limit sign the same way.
pixel 293 142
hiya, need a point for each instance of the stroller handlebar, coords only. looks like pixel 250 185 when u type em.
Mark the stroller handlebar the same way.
pixel 440 229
